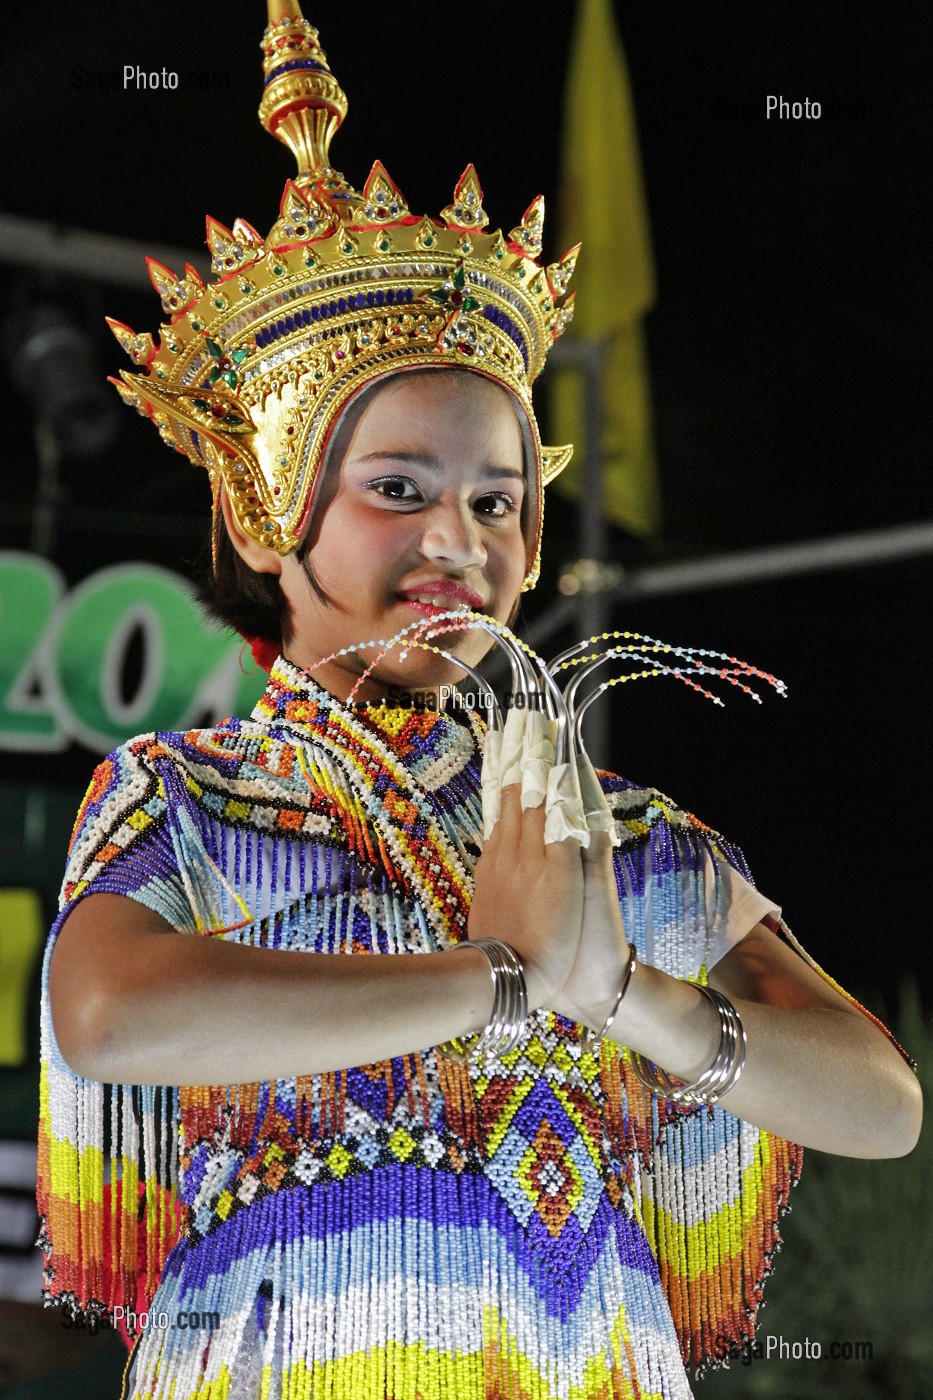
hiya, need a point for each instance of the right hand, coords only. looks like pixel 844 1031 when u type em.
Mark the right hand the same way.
pixel 530 895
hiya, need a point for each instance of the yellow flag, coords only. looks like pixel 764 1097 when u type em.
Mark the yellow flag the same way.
pixel 603 204
pixel 21 930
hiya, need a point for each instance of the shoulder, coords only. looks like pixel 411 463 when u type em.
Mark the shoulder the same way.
pixel 136 786
pixel 645 815
pixel 637 809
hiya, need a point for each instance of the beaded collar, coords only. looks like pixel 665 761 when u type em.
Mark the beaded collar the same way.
pixel 415 774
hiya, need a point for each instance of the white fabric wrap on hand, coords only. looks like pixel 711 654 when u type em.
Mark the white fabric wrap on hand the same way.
pixel 537 758
pixel 489 782
pixel 513 743
pixel 565 807
pixel 595 807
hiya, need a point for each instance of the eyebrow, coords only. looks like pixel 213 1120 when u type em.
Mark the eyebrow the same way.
pixel 432 464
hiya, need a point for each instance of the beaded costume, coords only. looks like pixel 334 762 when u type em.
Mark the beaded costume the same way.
pixel 411 1228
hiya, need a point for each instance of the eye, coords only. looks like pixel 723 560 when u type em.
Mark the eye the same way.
pixel 496 503
pixel 395 488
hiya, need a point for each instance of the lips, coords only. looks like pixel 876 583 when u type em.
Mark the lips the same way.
pixel 441 595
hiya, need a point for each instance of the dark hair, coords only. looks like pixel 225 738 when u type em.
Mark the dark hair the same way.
pixel 254 604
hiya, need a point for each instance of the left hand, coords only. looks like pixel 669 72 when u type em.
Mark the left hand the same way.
pixel 592 984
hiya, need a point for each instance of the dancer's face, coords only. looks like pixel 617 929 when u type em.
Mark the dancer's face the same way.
pixel 425 515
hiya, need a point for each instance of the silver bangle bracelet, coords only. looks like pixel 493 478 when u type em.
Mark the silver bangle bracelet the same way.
pixel 509 1007
pixel 589 1040
pixel 722 1074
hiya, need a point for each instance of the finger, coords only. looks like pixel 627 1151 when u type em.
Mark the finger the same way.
pixel 509 827
pixel 599 852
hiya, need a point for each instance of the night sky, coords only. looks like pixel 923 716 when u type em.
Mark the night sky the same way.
pixel 785 358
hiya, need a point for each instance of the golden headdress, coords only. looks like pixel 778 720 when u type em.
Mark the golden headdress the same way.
pixel 251 372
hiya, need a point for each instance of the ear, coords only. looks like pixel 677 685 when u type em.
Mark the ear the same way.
pixel 260 559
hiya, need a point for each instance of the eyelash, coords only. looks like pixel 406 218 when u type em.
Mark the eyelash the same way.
pixel 511 506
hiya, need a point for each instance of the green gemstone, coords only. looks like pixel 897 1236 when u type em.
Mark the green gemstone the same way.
pixel 229 378
pixel 429 241
pixel 214 348
pixel 219 303
pixel 521 272
pixel 239 356
pixel 460 279
pixel 500 253
pixel 440 295
pixel 470 304
pixel 278 270
pixel 214 375
pixel 195 325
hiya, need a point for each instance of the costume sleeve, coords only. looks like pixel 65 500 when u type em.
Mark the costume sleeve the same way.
pixel 99 1238
pixel 687 893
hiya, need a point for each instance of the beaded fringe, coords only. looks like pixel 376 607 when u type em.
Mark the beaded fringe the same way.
pixel 451 1306
pixel 107 1184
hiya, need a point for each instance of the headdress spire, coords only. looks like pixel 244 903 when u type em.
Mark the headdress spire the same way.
pixel 302 103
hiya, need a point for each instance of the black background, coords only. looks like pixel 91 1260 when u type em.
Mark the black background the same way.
pixel 785 353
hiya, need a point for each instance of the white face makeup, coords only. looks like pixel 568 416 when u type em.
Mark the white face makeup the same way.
pixel 424 517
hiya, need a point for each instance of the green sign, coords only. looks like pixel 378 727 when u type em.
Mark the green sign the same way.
pixel 63 657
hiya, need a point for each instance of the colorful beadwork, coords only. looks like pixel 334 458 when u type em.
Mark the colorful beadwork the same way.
pixel 535 1226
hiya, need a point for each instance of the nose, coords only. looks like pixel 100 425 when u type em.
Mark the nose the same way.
pixel 452 536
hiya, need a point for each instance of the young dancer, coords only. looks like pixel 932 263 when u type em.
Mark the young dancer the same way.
pixel 281 937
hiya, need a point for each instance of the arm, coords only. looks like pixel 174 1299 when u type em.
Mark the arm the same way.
pixel 818 1072
pixel 135 1001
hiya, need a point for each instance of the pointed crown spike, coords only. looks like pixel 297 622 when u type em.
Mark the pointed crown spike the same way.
pixel 302 103
pixel 529 233
pixel 467 210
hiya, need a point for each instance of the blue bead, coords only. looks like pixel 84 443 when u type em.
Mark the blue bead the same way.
pixel 342 304
pixel 315 313
pixel 370 298
pixel 380 298
pixel 289 323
